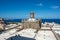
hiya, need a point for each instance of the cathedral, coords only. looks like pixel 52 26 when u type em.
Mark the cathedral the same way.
pixel 31 22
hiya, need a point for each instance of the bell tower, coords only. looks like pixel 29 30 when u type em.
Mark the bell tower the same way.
pixel 31 14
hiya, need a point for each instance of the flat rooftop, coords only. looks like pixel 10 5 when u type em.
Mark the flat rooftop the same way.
pixel 30 33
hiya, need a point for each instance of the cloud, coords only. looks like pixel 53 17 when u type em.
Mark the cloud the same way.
pixel 54 7
pixel 40 4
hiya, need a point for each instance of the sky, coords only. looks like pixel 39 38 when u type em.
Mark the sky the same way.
pixel 22 8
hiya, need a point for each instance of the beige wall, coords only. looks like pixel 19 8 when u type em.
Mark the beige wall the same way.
pixel 34 25
pixel 1 27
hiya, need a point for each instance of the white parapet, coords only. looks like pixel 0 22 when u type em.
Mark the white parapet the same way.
pixel 27 33
pixel 55 28
pixel 45 27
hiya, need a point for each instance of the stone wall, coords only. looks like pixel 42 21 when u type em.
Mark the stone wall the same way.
pixel 34 25
pixel 1 24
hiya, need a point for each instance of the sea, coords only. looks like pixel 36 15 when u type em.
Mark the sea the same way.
pixel 42 20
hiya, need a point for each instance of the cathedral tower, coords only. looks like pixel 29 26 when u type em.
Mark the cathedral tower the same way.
pixel 31 14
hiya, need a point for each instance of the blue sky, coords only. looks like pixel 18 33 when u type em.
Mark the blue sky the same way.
pixel 22 8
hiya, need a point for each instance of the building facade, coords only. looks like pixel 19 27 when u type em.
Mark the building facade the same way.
pixel 31 22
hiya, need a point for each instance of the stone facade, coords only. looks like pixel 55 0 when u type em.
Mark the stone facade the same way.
pixel 34 25
pixel 1 24
pixel 31 22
